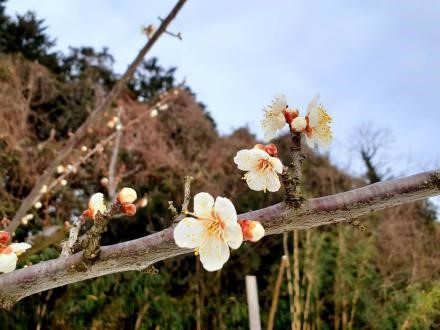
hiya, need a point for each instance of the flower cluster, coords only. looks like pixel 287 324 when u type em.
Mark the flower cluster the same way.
pixel 124 200
pixel 9 252
pixel 314 125
pixel 212 229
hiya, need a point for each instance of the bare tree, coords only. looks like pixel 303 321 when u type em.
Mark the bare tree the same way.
pixel 373 144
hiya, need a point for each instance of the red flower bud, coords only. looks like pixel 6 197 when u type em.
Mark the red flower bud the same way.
pixel 290 114
pixel 271 149
pixel 4 237
pixel 129 209
pixel 88 214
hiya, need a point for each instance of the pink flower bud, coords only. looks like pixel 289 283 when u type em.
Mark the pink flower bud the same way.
pixel 252 230
pixel 290 114
pixel 4 237
pixel 271 149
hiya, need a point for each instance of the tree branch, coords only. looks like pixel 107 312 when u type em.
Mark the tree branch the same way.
pixel 91 120
pixel 143 252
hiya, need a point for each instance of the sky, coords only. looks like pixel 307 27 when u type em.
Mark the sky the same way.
pixel 374 61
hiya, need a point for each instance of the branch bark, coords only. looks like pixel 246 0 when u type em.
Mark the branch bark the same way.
pixel 80 133
pixel 143 252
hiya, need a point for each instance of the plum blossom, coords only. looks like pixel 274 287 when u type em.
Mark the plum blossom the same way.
pixel 252 230
pixel 211 230
pixel 276 115
pixel 315 125
pixel 262 169
pixel 274 119
pixel 96 203
pixel 9 253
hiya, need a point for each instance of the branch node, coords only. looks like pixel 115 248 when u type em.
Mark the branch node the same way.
pixel 150 270
pixel 173 209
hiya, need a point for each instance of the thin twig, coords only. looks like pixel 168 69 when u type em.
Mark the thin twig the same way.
pixel 114 160
pixel 187 193
pixel 67 249
pixel 91 120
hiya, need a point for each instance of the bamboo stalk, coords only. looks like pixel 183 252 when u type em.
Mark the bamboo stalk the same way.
pixel 289 280
pixel 276 292
pixel 297 289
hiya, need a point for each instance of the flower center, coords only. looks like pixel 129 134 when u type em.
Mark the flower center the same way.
pixel 215 226
pixel 264 165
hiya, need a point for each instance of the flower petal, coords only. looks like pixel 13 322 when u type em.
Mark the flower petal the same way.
pixel 96 203
pixel 213 254
pixel 189 233
pixel 256 180
pixel 225 210
pixel 279 103
pixel 233 235
pixel 203 203
pixel 310 141
pixel 247 159
pixel 8 262
pixel 19 248
pixel 272 181
pixel 313 104
pixel 272 123
pixel 276 164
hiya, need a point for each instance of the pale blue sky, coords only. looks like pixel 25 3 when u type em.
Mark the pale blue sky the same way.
pixel 371 61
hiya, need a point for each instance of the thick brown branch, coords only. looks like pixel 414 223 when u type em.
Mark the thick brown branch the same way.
pixel 140 253
pixel 80 133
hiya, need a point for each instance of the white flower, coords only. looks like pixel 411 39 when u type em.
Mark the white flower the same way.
pixel 318 130
pixel 25 220
pixel 262 169
pixel 274 119
pixel 43 189
pixel 71 168
pixel 8 256
pixel 154 113
pixel 96 203
pixel 83 148
pixel 127 195
pixel 60 169
pixel 38 205
pixel 164 107
pixel 211 231
pixel 63 182
pixel 143 202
